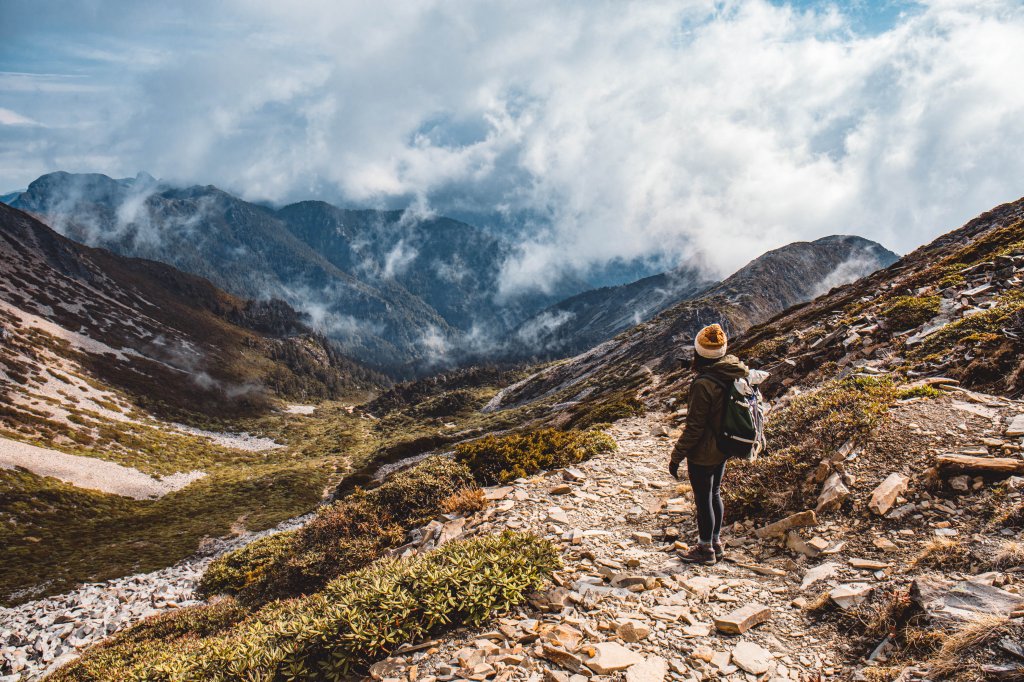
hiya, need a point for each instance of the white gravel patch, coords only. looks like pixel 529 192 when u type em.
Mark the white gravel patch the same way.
pixel 90 472
pixel 300 409
pixel 237 441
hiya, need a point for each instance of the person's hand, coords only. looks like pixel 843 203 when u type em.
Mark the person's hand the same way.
pixel 673 468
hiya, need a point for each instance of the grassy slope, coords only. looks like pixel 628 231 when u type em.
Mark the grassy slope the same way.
pixel 44 524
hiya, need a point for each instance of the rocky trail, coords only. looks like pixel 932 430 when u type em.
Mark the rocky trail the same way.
pixel 624 605
pixel 622 593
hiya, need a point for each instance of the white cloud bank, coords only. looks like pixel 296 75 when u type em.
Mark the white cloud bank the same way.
pixel 606 129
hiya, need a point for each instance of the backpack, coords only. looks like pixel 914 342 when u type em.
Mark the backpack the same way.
pixel 741 430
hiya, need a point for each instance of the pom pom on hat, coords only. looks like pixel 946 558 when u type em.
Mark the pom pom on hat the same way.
pixel 711 342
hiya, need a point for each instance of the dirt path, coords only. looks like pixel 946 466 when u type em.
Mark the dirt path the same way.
pixel 90 472
pixel 617 517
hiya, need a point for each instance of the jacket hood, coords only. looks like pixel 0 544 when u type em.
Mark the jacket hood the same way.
pixel 729 367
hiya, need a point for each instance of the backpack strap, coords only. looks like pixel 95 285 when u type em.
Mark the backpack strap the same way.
pixel 716 380
pixel 726 387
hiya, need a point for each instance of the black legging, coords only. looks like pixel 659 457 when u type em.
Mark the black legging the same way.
pixel 707 485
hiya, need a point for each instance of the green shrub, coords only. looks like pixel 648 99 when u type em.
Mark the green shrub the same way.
pixel 499 459
pixel 907 312
pixel 810 428
pixel 342 537
pixel 237 570
pixel 918 392
pixel 607 412
pixel 413 496
pixel 147 640
pixel 356 619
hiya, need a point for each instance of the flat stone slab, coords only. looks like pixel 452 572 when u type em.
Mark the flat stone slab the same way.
pixel 1016 427
pixel 964 601
pixel 742 619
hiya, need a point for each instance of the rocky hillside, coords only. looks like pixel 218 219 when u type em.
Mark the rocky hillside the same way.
pixel 76 315
pixel 951 308
pixel 792 274
pixel 763 288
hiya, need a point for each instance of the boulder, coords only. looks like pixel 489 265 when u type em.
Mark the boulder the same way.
pixel 632 630
pixel 851 594
pixel 557 515
pixel 797 544
pixel 739 621
pixel 495 494
pixel 779 528
pixel 819 573
pixel 884 496
pixel 562 658
pixel 565 636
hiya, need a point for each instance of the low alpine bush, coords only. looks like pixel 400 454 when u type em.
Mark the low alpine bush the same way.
pixel 499 459
pixel 357 619
pixel 342 537
pixel 147 640
pixel 907 312
pixel 233 572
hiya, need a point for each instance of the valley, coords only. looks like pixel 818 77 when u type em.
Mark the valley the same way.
pixel 893 472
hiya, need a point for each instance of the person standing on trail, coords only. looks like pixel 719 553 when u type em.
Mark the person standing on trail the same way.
pixel 705 462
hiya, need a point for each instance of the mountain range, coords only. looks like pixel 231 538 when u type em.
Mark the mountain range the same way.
pixel 758 291
pixel 402 294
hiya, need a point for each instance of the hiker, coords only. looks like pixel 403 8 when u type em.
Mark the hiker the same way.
pixel 705 461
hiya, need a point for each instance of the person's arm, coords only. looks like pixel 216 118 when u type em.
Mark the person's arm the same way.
pixel 697 415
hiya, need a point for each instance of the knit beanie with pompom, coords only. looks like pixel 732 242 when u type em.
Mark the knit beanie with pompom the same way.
pixel 711 342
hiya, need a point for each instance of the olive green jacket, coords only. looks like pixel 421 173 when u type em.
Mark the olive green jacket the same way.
pixel 704 416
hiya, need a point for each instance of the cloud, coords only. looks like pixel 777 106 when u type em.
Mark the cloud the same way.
pixel 398 259
pixel 537 331
pixel 13 118
pixel 591 130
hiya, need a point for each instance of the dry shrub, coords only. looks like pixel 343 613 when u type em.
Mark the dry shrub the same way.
pixel 892 614
pixel 466 501
pixel 950 656
pixel 1009 555
pixel 880 674
pixel 1011 517
pixel 943 553
pixel 809 429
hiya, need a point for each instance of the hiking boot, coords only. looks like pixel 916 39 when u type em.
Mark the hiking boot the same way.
pixel 701 554
pixel 719 550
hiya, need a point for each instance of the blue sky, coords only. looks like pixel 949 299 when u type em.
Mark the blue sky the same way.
pixel 666 128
